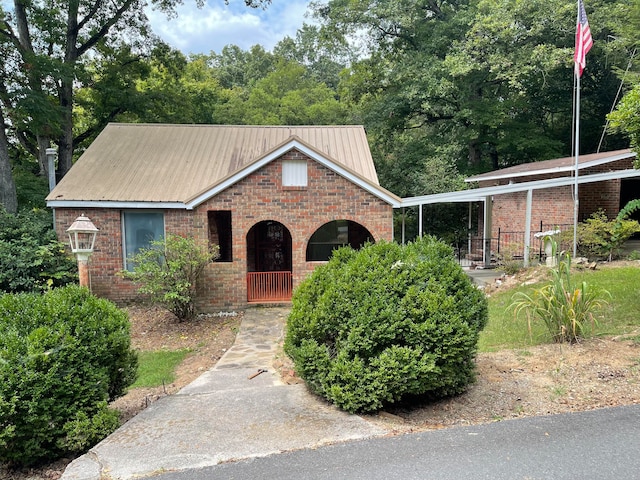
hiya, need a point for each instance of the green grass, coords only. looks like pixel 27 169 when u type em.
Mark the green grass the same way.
pixel 620 317
pixel 154 368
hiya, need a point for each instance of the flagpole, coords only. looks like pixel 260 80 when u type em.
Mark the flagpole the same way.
pixel 575 175
pixel 584 42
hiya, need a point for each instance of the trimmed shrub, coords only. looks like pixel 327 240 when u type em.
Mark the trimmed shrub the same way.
pixel 62 356
pixel 600 238
pixel 374 326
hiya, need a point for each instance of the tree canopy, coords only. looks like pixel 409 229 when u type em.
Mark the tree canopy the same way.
pixel 444 88
pixel 51 49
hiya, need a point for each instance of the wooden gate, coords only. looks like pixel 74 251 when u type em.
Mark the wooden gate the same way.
pixel 263 287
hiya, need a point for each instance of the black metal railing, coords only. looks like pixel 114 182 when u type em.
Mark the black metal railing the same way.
pixel 508 245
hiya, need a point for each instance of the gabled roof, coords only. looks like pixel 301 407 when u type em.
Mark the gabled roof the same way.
pixel 181 166
pixel 557 165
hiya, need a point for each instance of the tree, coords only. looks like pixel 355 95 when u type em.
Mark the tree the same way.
pixel 8 196
pixel 46 49
pixel 287 96
pixel 235 67
pixel 626 118
pixel 176 90
pixel 490 80
pixel 323 59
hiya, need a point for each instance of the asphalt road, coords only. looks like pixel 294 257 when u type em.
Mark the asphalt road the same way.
pixel 601 444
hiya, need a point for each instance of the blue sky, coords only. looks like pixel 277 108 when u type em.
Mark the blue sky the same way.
pixel 215 25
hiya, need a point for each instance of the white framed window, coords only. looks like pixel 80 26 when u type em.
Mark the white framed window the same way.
pixel 294 173
pixel 139 229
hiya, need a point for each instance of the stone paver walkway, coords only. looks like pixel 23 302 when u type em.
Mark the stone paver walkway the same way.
pixel 224 415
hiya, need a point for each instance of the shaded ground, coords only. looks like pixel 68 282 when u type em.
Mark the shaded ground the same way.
pixel 538 380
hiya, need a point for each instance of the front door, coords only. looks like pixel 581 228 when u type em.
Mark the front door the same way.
pixel 269 261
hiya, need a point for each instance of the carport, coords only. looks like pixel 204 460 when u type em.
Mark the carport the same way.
pixel 486 194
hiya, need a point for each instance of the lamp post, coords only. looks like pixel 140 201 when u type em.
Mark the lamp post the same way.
pixel 82 238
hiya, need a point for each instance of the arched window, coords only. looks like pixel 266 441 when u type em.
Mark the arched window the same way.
pixel 333 235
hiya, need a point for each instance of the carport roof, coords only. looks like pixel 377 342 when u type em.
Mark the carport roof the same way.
pixel 545 167
pixel 556 165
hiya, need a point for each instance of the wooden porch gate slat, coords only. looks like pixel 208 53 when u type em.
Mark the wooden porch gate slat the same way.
pixel 269 286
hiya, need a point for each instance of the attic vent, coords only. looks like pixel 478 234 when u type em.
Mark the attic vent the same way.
pixel 294 173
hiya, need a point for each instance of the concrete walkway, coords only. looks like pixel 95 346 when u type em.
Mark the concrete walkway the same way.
pixel 224 415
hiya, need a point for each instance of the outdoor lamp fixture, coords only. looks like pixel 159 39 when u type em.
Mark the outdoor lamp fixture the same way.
pixel 82 238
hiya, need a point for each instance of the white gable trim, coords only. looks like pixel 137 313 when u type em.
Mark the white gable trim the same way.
pixel 549 171
pixel 232 180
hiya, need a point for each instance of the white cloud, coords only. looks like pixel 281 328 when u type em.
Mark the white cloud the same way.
pixel 215 25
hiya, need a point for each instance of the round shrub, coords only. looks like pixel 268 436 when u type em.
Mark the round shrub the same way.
pixel 63 355
pixel 373 326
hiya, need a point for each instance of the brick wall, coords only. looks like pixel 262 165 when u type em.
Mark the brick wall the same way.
pixel 555 206
pixel 258 197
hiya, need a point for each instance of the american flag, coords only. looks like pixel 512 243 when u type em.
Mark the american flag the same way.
pixel 584 41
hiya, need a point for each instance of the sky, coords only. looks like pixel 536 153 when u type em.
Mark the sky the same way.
pixel 215 25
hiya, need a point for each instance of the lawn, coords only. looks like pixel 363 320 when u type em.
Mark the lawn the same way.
pixel 157 368
pixel 620 317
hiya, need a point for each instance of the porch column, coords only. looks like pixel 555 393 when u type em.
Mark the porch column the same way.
pixel 488 221
pixel 469 231
pixel 527 228
pixel 420 222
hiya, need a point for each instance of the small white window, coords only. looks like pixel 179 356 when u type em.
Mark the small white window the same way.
pixel 294 173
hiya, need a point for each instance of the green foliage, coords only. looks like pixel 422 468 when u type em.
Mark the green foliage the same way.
pixel 625 117
pixel 377 325
pixel 169 270
pixel 63 354
pixel 83 432
pixel 287 97
pixel 620 317
pixel 158 367
pixel 566 309
pixel 31 257
pixel 509 260
pixel 486 79
pixel 600 238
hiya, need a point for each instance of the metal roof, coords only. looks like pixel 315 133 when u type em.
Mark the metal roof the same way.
pixel 556 165
pixel 180 166
pixel 481 194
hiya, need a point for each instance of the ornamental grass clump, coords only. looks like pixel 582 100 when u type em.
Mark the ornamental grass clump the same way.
pixel 374 326
pixel 566 309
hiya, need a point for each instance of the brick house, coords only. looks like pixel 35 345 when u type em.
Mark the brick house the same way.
pixel 277 200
